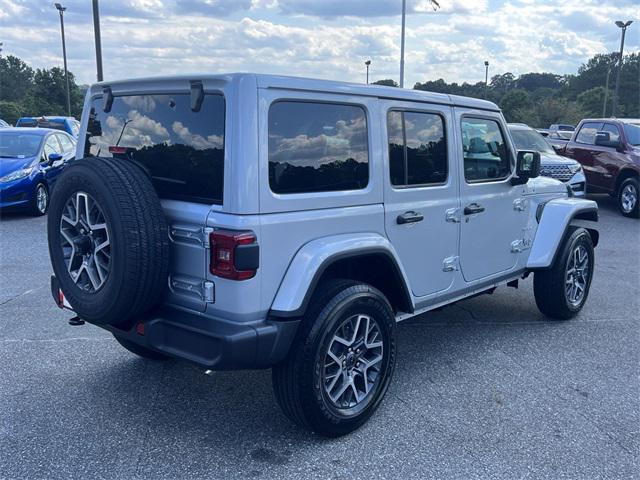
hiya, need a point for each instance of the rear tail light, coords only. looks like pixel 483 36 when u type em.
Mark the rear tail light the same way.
pixel 117 150
pixel 234 254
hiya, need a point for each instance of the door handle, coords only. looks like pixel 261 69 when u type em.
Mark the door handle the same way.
pixel 409 217
pixel 473 208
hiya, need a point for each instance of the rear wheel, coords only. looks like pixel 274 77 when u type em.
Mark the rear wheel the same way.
pixel 629 198
pixel 341 363
pixel 562 290
pixel 140 350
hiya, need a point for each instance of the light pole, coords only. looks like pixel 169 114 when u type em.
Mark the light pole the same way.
pixel 623 26
pixel 367 63
pixel 404 18
pixel 61 9
pixel 486 78
pixel 96 33
pixel 606 93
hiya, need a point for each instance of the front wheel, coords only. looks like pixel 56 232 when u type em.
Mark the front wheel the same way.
pixel 562 290
pixel 342 360
pixel 629 198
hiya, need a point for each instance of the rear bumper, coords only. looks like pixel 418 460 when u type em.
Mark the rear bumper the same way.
pixel 215 344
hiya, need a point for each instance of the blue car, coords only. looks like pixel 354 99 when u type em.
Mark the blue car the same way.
pixel 31 159
pixel 66 124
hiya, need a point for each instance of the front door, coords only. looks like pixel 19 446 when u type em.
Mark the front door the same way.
pixel 494 212
pixel 421 189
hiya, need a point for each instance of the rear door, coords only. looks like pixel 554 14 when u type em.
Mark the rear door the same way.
pixel 421 193
pixel 494 212
pixel 182 149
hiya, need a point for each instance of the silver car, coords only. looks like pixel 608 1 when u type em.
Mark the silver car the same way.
pixel 551 164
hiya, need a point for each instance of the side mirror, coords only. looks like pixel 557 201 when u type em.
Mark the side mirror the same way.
pixel 603 139
pixel 527 166
pixel 54 157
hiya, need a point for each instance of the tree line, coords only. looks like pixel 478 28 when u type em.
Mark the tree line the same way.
pixel 538 99
pixel 541 99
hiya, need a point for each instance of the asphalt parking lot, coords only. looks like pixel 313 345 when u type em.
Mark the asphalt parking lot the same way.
pixel 486 388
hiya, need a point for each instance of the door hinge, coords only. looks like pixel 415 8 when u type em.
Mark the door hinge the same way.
pixel 453 215
pixel 190 234
pixel 520 204
pixel 450 264
pixel 520 245
pixel 193 287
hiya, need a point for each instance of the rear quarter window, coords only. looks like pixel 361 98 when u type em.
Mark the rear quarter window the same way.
pixel 317 147
pixel 182 150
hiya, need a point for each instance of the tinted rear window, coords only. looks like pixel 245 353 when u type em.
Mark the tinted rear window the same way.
pixel 317 147
pixel 182 150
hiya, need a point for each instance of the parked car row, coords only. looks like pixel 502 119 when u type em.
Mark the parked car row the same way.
pixel 609 151
pixel 601 155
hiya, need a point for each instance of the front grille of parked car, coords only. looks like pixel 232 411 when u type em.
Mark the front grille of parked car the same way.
pixel 559 172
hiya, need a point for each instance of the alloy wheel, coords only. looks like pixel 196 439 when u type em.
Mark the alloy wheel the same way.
pixel 353 362
pixel 577 275
pixel 629 198
pixel 85 242
pixel 42 199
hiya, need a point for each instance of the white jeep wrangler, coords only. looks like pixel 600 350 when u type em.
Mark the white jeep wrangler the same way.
pixel 255 221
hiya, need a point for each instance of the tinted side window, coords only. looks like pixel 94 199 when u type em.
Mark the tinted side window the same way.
pixel 587 133
pixel 182 150
pixel 486 156
pixel 317 147
pixel 417 148
pixel 614 133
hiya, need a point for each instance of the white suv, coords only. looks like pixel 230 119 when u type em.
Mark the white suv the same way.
pixel 254 221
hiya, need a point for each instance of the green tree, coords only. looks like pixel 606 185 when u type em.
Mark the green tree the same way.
pixel 386 82
pixel 534 81
pixel 517 106
pixel 16 78
pixel 9 111
pixel 592 100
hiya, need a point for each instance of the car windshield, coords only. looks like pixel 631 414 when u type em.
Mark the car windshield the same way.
pixel 19 145
pixel 632 132
pixel 530 140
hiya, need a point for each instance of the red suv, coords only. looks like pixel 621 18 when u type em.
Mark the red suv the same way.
pixel 609 151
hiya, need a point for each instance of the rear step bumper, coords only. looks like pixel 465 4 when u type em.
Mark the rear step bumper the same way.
pixel 212 343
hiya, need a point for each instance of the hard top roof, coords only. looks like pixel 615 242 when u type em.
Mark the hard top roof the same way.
pixel 316 85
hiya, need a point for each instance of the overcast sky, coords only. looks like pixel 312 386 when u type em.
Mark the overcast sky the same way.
pixel 319 38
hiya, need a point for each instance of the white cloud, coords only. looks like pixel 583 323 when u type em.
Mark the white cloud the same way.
pixel 318 38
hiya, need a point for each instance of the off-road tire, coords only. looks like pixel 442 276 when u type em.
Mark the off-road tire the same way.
pixel 140 350
pixel 139 257
pixel 297 381
pixel 549 285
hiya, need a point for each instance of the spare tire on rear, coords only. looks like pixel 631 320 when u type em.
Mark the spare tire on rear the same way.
pixel 108 240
